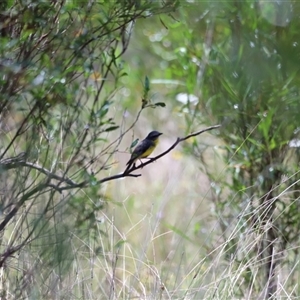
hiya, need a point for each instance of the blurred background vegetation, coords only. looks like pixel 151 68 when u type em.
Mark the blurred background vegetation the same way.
pixel 217 218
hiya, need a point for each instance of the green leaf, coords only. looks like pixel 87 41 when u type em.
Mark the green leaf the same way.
pixel 120 243
pixel 93 180
pixel 266 124
pixel 103 110
pixel 147 84
pixel 111 128
pixel 101 140
pixel 161 104
pixel 134 143
pixel 179 232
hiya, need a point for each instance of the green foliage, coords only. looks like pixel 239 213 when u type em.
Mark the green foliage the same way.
pixel 63 66
pixel 133 144
pixel 239 60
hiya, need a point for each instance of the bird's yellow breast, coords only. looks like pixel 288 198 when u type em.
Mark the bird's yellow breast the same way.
pixel 150 149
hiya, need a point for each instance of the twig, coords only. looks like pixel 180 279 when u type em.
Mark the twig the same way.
pixel 20 160
pixel 48 173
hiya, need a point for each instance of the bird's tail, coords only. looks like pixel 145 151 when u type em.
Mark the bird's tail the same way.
pixel 130 164
pixel 128 168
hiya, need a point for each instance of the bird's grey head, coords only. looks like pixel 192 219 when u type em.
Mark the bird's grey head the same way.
pixel 153 135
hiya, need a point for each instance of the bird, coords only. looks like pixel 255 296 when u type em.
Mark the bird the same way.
pixel 144 148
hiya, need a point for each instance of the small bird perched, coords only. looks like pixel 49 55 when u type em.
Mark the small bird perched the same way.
pixel 144 148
